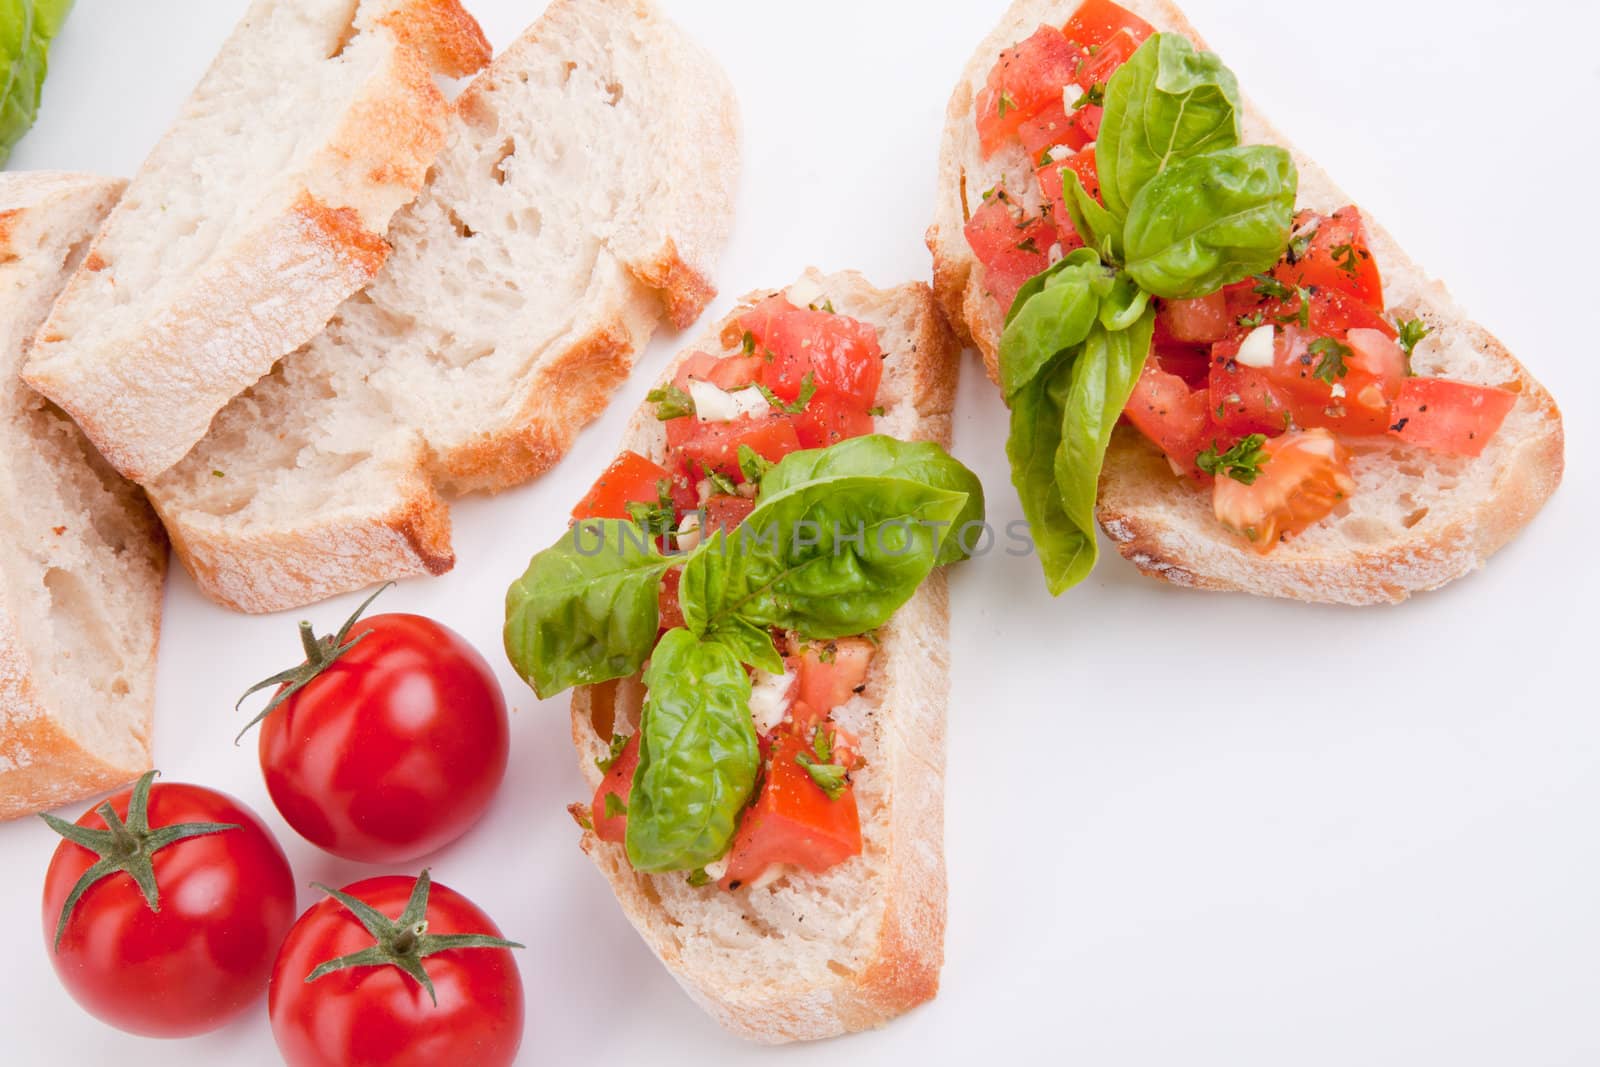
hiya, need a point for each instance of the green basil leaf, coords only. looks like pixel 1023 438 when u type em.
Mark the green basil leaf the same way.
pixel 1167 103
pixel 750 643
pixel 588 607
pixel 829 558
pixel 697 755
pixel 1056 317
pixel 1123 303
pixel 1099 228
pixel 1211 220
pixel 26 30
pixel 923 462
pixel 1101 379
pixel 1036 416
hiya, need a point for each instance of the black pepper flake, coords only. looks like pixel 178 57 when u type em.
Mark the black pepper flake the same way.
pixel 1401 425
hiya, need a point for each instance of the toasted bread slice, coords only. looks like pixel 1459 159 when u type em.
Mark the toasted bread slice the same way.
pixel 82 558
pixel 262 208
pixel 1417 519
pixel 812 956
pixel 584 193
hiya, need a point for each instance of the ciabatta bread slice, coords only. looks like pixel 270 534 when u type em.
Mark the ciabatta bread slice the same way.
pixel 584 193
pixel 813 956
pixel 262 208
pixel 82 558
pixel 1416 521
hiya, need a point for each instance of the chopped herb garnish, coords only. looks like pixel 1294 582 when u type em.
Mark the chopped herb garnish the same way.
pixel 1252 320
pixel 752 464
pixel 656 518
pixel 831 778
pixel 1299 246
pixel 1095 94
pixel 876 411
pixel 1333 353
pixel 1028 245
pixel 1345 256
pixel 1412 331
pixel 1006 104
pixel 1270 287
pixel 618 743
pixel 615 806
pixel 1242 462
pixel 698 877
pixel 749 343
pixel 671 402
pixel 720 482
pixel 808 389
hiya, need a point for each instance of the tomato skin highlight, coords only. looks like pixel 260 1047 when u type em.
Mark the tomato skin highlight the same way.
pixel 380 1016
pixel 226 901
pixel 395 749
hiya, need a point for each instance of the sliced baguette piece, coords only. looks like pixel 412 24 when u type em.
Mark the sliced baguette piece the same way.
pixel 815 956
pixel 585 191
pixel 262 208
pixel 82 557
pixel 1416 521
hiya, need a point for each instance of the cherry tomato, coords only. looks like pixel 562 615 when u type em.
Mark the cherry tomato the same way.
pixel 226 899
pixel 378 1015
pixel 394 748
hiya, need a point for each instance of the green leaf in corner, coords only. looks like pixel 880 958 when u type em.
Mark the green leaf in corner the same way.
pixel 1211 220
pixel 1167 103
pixel 26 29
pixel 588 608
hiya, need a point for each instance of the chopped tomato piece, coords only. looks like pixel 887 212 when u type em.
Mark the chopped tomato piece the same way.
pixel 1050 128
pixel 724 512
pixel 618 782
pixel 671 609
pixel 1025 80
pixel 1336 259
pixel 1303 477
pixel 1204 319
pixel 758 320
pixel 792 820
pixel 839 353
pixel 1244 400
pixel 727 372
pixel 830 418
pixel 701 446
pixel 630 478
pixel 1086 123
pixel 831 672
pixel 1445 416
pixel 1011 249
pixel 1169 413
pixel 1083 165
pixel 1106 58
pixel 1096 21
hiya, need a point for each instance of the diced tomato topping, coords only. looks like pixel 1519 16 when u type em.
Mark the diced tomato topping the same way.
pixel 1244 400
pixel 1011 249
pixel 1049 129
pixel 631 478
pixel 1337 258
pixel 840 354
pixel 1303 477
pixel 830 418
pixel 1204 319
pixel 1096 21
pixel 1025 80
pixel 619 783
pixel 671 609
pixel 1083 165
pixel 725 512
pixel 792 820
pixel 1171 414
pixel 831 672
pixel 1452 417
pixel 728 372
pixel 1117 50
pixel 701 446
pixel 1086 123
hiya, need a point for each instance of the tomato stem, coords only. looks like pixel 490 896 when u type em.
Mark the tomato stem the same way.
pixel 127 846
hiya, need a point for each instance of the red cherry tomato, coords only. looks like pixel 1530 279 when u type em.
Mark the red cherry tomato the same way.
pixel 394 749
pixel 380 1015
pixel 226 900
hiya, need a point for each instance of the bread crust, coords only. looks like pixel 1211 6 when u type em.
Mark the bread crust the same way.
pixel 908 687
pixel 1165 529
pixel 146 402
pixel 43 763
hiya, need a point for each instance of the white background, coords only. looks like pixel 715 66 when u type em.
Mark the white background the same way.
pixel 1182 828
